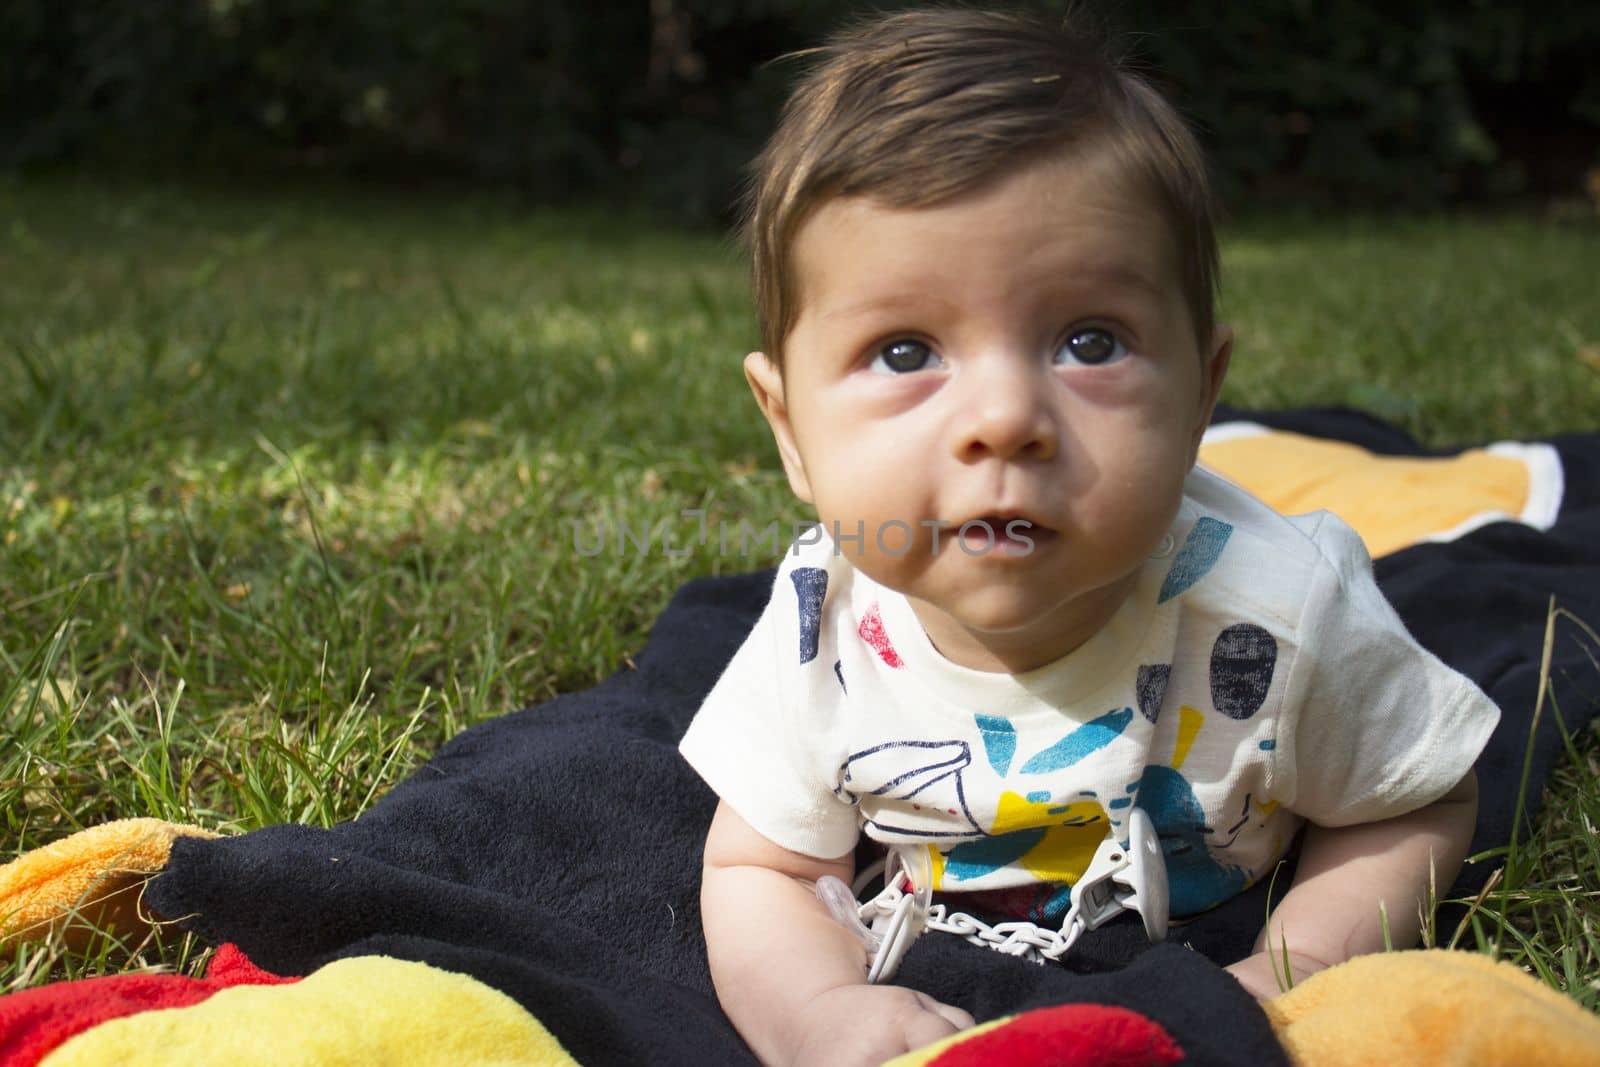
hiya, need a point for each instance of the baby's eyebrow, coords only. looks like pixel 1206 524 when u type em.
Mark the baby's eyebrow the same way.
pixel 1097 277
pixel 1115 275
pixel 894 303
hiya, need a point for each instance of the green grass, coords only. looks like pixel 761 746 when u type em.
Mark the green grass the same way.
pixel 286 481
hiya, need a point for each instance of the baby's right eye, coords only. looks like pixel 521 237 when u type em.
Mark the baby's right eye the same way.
pixel 903 357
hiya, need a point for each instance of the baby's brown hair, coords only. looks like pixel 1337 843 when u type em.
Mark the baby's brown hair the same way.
pixel 918 107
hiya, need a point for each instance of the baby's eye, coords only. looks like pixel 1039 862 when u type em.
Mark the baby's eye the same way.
pixel 1091 345
pixel 903 357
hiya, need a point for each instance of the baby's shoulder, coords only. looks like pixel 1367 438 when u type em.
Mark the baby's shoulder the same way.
pixel 1280 567
pixel 815 592
pixel 814 568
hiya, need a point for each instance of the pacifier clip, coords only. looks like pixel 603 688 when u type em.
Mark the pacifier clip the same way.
pixel 1117 879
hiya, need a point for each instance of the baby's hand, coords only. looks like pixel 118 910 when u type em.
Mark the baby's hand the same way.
pixel 864 1025
pixel 1262 974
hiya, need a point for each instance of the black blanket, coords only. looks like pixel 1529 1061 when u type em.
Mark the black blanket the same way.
pixel 554 853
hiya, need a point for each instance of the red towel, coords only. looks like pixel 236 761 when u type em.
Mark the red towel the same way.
pixel 35 1021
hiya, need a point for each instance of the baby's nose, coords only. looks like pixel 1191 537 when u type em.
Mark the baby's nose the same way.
pixel 1005 414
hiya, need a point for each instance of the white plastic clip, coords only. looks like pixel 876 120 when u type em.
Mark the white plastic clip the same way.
pixel 1125 879
pixel 1117 879
pixel 910 874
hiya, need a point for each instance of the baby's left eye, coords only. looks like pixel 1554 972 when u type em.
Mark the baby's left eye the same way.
pixel 904 356
pixel 1092 346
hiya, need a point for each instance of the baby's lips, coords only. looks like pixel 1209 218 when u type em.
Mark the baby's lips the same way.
pixel 1004 535
pixel 1010 527
pixel 1000 522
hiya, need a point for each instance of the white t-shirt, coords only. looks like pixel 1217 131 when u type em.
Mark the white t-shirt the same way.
pixel 1255 677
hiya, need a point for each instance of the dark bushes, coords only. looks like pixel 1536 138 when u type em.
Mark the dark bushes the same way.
pixel 1340 102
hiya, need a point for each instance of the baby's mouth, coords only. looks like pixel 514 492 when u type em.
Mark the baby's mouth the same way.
pixel 1003 535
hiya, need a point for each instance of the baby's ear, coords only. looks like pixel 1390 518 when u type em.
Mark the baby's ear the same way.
pixel 766 382
pixel 1213 370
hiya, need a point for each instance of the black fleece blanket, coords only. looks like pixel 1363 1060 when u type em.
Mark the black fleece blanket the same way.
pixel 554 853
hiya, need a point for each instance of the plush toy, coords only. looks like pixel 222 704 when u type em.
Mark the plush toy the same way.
pixel 1068 1035
pixel 1415 1008
pixel 365 1010
pixel 86 882
pixel 1432 1006
pixel 349 1013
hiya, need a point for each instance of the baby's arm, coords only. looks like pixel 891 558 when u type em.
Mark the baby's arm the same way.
pixel 791 978
pixel 1332 912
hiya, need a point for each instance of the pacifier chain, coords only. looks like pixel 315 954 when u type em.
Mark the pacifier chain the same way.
pixel 1117 879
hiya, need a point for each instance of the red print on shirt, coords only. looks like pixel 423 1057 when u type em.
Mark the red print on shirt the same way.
pixel 873 633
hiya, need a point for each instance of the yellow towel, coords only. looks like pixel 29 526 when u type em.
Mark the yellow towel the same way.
pixel 366 1010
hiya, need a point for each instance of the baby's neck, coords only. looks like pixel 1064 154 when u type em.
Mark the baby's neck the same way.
pixel 1027 649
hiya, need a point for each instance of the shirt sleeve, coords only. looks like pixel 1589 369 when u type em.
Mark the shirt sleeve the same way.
pixel 762 738
pixel 1375 725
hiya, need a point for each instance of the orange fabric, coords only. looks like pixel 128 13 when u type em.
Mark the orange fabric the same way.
pixel 1431 1007
pixel 92 875
pixel 1391 501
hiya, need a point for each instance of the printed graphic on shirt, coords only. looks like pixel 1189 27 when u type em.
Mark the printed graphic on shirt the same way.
pixel 1242 661
pixel 1086 740
pixel 877 638
pixel 1053 839
pixel 1200 552
pixel 1196 880
pixel 810 589
pixel 1002 798
pixel 925 776
pixel 1151 686
pixel 1053 842
pixel 999 741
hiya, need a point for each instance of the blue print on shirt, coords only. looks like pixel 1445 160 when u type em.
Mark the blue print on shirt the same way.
pixel 974 859
pixel 1195 879
pixel 1198 555
pixel 1086 740
pixel 811 587
pixel 999 741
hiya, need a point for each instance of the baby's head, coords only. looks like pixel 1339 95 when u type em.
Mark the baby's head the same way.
pixel 985 267
pixel 922 106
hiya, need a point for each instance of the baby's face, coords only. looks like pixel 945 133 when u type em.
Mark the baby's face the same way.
pixel 1021 356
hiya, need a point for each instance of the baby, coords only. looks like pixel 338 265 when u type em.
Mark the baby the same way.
pixel 985 266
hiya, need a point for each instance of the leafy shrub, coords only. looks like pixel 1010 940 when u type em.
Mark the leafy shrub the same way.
pixel 1338 102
